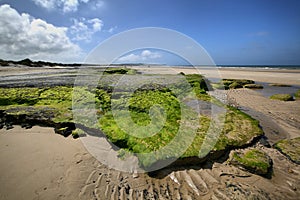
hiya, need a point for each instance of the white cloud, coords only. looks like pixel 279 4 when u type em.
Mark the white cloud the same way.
pixel 65 5
pixel 95 5
pixel 49 4
pixel 148 54
pixel 144 56
pixel 23 36
pixel 70 5
pixel 96 23
pixel 112 29
pixel 83 29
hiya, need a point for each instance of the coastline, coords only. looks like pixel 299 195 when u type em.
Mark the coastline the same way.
pixel 284 76
pixel 68 171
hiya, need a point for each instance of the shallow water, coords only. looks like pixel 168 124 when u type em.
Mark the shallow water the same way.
pixel 268 90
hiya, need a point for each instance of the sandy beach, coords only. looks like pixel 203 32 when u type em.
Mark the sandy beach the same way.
pixel 36 163
pixel 284 76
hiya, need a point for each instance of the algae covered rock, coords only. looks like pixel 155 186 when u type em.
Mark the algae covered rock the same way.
pixel 253 86
pixel 121 70
pixel 282 97
pixel 235 83
pixel 290 148
pixel 279 85
pixel 297 94
pixel 254 160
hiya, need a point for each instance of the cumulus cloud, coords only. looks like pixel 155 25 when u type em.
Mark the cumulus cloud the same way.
pixel 64 5
pixel 83 29
pixel 21 36
pixel 144 56
pixel 49 4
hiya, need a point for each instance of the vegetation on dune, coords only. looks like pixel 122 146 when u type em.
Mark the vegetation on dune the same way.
pixel 282 97
pixel 290 148
pixel 254 160
pixel 30 63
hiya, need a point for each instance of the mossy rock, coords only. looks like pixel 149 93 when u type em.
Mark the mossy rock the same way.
pixel 290 148
pixel 239 129
pixel 235 83
pixel 218 86
pixel 53 106
pixel 279 85
pixel 253 86
pixel 119 71
pixel 77 133
pixel 282 97
pixel 297 94
pixel 253 160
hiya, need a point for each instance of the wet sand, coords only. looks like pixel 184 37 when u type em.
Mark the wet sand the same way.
pixel 38 164
pixel 283 76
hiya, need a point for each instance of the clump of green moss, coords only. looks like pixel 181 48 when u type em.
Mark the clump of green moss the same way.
pixel 122 70
pixel 282 97
pixel 235 83
pixel 57 104
pixel 77 133
pixel 290 148
pixel 253 86
pixel 219 86
pixel 239 128
pixel 297 94
pixel 279 85
pixel 254 160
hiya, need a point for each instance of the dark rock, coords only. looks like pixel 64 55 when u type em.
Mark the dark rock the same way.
pixel 264 141
pixel 282 97
pixel 290 148
pixel 254 160
pixel 253 86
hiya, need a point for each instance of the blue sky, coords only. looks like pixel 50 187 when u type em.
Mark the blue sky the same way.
pixel 233 32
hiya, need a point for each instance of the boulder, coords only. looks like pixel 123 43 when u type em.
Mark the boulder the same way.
pixel 290 148
pixel 253 160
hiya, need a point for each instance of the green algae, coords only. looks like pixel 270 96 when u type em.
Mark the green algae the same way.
pixel 282 97
pixel 290 148
pixel 56 105
pixel 254 160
